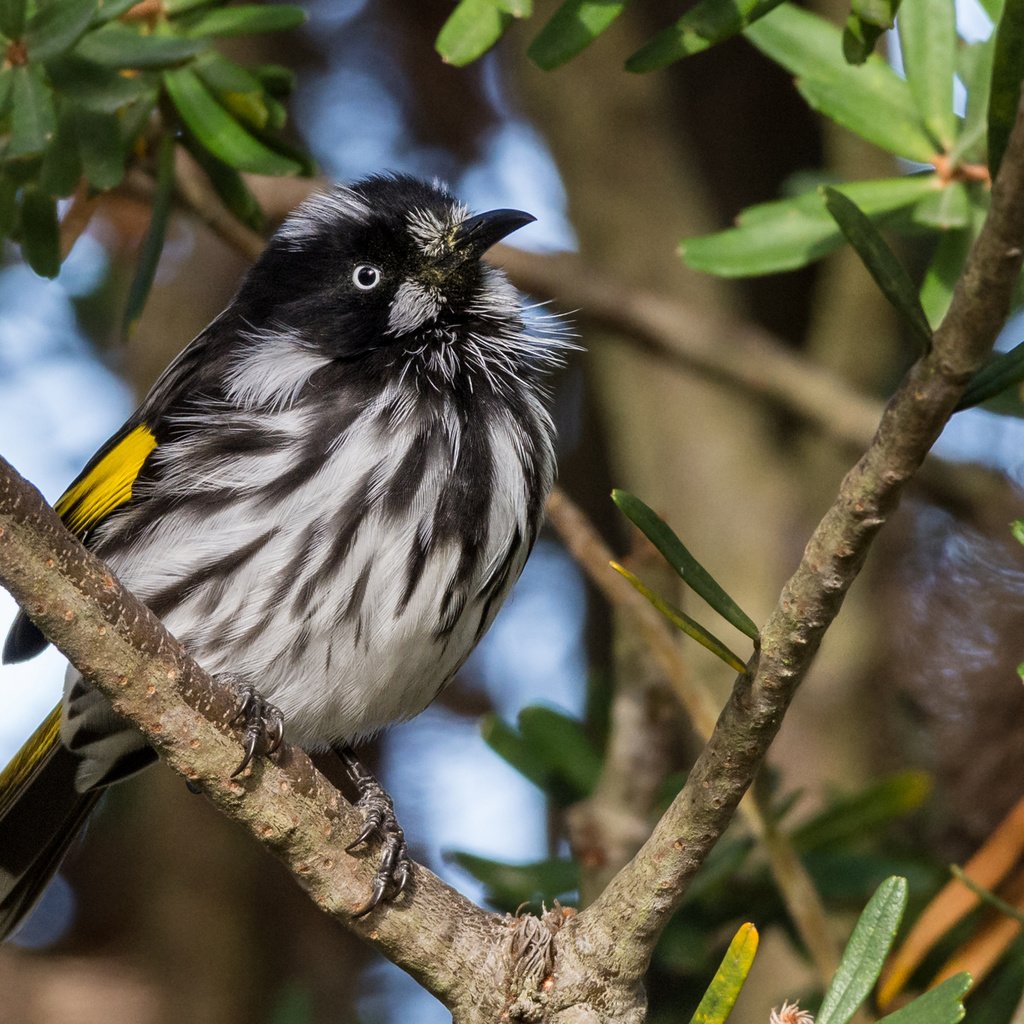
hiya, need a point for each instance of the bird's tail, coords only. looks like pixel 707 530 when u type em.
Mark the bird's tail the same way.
pixel 41 812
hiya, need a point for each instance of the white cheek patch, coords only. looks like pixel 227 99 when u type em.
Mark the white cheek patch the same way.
pixel 413 306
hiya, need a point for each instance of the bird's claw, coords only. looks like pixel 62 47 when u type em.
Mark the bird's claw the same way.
pixel 379 821
pixel 264 726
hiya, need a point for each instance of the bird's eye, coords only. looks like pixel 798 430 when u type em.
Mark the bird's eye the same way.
pixel 366 277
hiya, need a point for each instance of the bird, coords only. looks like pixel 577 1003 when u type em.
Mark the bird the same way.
pixel 325 497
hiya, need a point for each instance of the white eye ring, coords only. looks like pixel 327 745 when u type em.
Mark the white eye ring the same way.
pixel 366 277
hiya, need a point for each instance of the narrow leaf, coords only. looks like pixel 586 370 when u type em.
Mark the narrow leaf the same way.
pixel 682 621
pixel 107 10
pixel 8 205
pixel 153 243
pixel 690 571
pixel 118 46
pixel 928 39
pixel 517 8
pixel 97 87
pixel 55 28
pixel 564 746
pixel 790 233
pixel 278 80
pixel 1017 529
pixel 1000 373
pixel 701 27
pixel 725 987
pixel 229 185
pixel 61 168
pixel 471 30
pixel 1007 76
pixel 242 19
pixel 870 99
pixel 237 90
pixel 511 885
pixel 510 746
pixel 12 18
pixel 571 29
pixel 34 120
pixel 40 235
pixel 865 953
pixel 218 131
pixel 940 1005
pixel 880 260
pixel 859 38
pixel 974 67
pixel 100 146
pixel 948 208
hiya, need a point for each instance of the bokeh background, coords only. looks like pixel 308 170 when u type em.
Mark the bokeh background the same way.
pixel 919 671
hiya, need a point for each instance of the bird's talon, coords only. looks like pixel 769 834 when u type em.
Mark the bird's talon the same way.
pixel 264 725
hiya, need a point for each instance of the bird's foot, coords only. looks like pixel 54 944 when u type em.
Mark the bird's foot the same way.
pixel 262 722
pixel 380 822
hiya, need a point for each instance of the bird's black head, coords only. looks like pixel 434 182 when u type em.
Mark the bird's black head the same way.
pixel 391 263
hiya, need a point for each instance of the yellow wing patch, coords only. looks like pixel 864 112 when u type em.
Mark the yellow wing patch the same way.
pixel 23 765
pixel 106 484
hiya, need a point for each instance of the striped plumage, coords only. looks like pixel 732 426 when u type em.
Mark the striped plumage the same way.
pixel 332 489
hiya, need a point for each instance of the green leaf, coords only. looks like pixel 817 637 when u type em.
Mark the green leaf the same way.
pixel 859 38
pixel 235 88
pixel 8 205
pixel 276 79
pixel 725 987
pixel 563 746
pixel 40 235
pixel 510 746
pixel 517 8
pixel 97 87
pixel 242 19
pixel 791 233
pixel 471 30
pixel 33 120
pixel 571 29
pixel 153 243
pixel 1017 529
pixel 974 66
pixel 948 208
pixel 107 10
pixel 99 142
pixel 928 39
pixel 940 1005
pixel 61 168
pixel 12 18
pixel 229 185
pixel 6 90
pixel 1007 76
pixel 55 28
pixel 690 571
pixel 218 131
pixel 1002 372
pixel 509 886
pixel 682 621
pixel 118 46
pixel 701 27
pixel 880 261
pixel 865 953
pixel 869 99
pixel 865 813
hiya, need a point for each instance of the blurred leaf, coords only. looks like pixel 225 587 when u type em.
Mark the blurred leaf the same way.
pixel 721 865
pixel 947 208
pixel 278 80
pixel 571 29
pixel 107 10
pixel 242 19
pixel 868 20
pixel 153 243
pixel 8 205
pixel 1000 373
pixel 724 990
pixel 12 18
pixel 517 8
pixel 974 66
pixel 218 131
pixel 176 7
pixel 563 746
pixel 40 235
pixel 690 571
pixel 510 746
pixel 97 87
pixel 230 186
pixel 1007 75
pixel 940 1005
pixel 880 261
pixel 6 89
pixel 509 886
pixel 928 40
pixel 847 879
pixel 99 142
pixel 1017 528
pixel 987 896
pixel 56 27
pixel 865 953
pixel 993 8
pixel 865 813
pixel 471 30
pixel 790 233
pixel 701 27
pixel 682 621
pixel 61 168
pixel 870 99
pixel 33 120
pixel 118 46
pixel 235 88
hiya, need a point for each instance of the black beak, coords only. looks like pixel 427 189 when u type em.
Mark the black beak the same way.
pixel 477 234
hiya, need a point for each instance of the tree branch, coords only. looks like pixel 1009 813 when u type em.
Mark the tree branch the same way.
pixel 640 900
